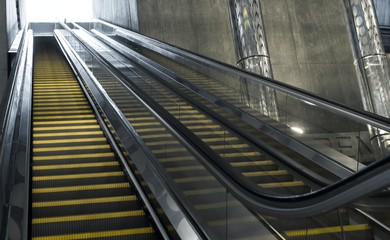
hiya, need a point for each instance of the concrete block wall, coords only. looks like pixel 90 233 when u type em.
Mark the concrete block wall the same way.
pixel 383 11
pixel 201 26
pixel 308 39
pixel 8 29
pixel 310 47
pixel 116 12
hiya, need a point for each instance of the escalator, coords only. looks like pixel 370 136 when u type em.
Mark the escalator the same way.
pixel 79 189
pixel 251 162
pixel 188 174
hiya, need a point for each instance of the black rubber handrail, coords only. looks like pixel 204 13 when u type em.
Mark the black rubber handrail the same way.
pixel 358 185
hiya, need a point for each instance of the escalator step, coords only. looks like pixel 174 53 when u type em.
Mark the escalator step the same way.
pixel 82 192
pixel 89 223
pixel 145 233
pixel 84 206
pixel 79 190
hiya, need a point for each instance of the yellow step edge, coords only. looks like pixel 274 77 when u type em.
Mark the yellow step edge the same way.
pixel 53 78
pixel 145 124
pixel 71 148
pixel 265 173
pixel 196 121
pixel 146 130
pixel 326 230
pixel 95 235
pixel 55 87
pixel 74 107
pixel 59 83
pixel 84 201
pixel 84 116
pixel 77 176
pixel 281 184
pixel 88 217
pixel 35 123
pixel 64 92
pixel 46 102
pixel 195 179
pixel 140 118
pixel 72 140
pixel 163 143
pixel 81 188
pixel 57 96
pixel 131 113
pixel 61 103
pixel 73 156
pixel 229 146
pixel 67 134
pixel 240 154
pixel 61 112
pixel 204 127
pixel 252 163
pixel 214 132
pixel 187 168
pixel 56 91
pixel 209 140
pixel 69 85
pixel 169 150
pixel 75 165
pixel 185 112
pixel 36 129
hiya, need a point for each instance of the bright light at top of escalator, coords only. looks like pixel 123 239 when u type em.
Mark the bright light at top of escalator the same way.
pixel 297 129
pixel 53 10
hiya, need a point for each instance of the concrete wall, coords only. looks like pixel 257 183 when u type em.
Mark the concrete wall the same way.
pixel 116 12
pixel 383 11
pixel 8 29
pixel 3 46
pixel 310 48
pixel 12 21
pixel 201 26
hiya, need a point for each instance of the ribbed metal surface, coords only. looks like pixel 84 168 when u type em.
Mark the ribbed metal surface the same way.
pixel 78 188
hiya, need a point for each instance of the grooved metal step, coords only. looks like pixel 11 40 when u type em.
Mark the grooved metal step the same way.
pixel 79 190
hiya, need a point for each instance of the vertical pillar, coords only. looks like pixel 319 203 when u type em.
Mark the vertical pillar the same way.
pixel 371 58
pixel 134 24
pixel 252 54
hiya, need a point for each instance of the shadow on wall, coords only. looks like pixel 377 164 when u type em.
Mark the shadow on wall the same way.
pixel 201 26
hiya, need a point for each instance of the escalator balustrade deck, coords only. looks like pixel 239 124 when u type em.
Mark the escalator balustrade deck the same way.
pixel 79 190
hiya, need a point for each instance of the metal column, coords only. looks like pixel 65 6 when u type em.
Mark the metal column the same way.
pixel 252 54
pixel 375 82
pixel 134 23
